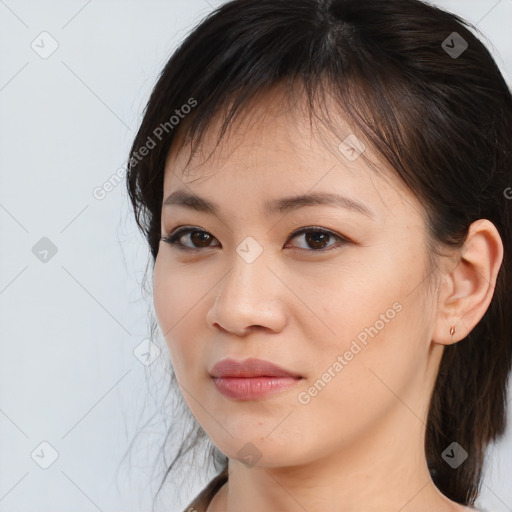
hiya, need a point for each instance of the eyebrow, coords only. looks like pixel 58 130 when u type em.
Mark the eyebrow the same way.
pixel 280 206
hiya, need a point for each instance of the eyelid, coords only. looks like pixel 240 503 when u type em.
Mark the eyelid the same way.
pixel 341 238
pixel 175 234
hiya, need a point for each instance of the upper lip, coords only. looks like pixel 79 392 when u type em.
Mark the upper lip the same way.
pixel 251 367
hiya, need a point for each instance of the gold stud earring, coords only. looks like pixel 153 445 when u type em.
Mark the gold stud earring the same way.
pixel 452 330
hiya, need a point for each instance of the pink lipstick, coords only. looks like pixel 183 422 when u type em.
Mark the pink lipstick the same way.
pixel 252 378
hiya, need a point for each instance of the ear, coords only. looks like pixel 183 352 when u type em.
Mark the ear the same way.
pixel 468 283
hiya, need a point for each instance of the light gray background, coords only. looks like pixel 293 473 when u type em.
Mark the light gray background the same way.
pixel 69 326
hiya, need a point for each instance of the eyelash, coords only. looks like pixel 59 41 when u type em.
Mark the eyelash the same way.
pixel 173 238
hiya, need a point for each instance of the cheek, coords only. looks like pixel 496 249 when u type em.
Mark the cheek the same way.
pixel 175 306
pixel 377 315
pixel 176 295
pixel 164 297
pixel 374 293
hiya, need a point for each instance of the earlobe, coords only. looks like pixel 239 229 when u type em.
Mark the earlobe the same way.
pixel 468 286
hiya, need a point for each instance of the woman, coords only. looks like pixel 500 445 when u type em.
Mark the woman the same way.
pixel 325 190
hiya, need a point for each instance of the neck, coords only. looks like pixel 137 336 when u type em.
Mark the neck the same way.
pixel 383 471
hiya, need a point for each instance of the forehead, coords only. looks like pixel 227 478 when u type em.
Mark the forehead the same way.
pixel 272 147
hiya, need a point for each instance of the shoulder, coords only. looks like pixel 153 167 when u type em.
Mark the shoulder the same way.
pixel 203 499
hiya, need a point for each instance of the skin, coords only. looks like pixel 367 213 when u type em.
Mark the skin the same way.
pixel 359 443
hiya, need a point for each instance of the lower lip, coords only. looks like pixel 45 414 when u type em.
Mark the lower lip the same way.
pixel 244 388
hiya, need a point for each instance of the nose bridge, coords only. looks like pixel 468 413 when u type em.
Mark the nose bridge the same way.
pixel 246 295
pixel 249 274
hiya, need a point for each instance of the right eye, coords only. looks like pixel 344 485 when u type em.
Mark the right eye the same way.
pixel 200 237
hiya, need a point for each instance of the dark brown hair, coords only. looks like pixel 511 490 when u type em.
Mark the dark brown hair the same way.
pixel 432 103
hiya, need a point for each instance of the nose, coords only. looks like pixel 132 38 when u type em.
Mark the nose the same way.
pixel 249 296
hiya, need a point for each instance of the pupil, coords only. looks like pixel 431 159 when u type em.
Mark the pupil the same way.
pixel 204 238
pixel 310 238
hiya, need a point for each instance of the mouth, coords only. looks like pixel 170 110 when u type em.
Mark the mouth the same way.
pixel 252 378
pixel 251 388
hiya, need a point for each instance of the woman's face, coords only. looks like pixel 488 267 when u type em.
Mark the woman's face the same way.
pixel 350 315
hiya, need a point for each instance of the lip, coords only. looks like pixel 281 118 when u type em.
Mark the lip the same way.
pixel 251 379
pixel 250 368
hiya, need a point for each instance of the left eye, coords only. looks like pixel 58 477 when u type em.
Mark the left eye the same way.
pixel 316 238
